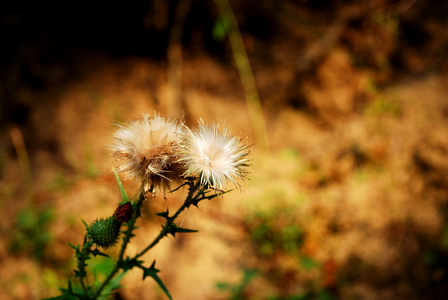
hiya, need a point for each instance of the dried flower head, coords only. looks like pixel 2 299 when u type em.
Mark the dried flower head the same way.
pixel 213 155
pixel 147 149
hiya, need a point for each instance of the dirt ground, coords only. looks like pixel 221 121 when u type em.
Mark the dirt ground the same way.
pixel 348 202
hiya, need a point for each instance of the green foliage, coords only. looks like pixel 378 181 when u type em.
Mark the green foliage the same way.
pixel 238 291
pixel 152 272
pixel 69 293
pixel 59 182
pixel 309 263
pixel 31 232
pixel 275 231
pixel 444 239
pixel 91 169
pixel 170 227
pixel 282 265
pixel 244 290
pixel 124 196
pixel 100 268
pixel 383 107
pixel 220 29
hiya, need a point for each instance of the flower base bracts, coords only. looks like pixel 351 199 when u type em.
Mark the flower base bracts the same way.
pixel 104 232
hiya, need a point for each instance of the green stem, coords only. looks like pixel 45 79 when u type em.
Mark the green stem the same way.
pixel 126 239
pixel 154 242
pixel 131 225
pixel 193 193
pixel 193 188
pixel 82 263
pixel 162 233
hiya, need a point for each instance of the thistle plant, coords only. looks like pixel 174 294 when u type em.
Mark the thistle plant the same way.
pixel 158 153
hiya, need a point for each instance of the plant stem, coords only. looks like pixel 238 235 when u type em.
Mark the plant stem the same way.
pixel 82 262
pixel 131 225
pixel 193 188
pixel 126 239
pixel 193 193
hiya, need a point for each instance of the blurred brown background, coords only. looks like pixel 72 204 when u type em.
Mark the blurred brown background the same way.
pixel 349 201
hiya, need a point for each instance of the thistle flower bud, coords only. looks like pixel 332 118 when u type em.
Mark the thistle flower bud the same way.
pixel 124 212
pixel 104 232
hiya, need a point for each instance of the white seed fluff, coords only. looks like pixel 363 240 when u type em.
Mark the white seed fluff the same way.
pixel 214 156
pixel 147 150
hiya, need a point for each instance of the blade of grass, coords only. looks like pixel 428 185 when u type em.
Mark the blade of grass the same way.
pixel 246 75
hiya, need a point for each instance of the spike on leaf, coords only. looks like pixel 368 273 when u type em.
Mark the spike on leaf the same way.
pixel 152 272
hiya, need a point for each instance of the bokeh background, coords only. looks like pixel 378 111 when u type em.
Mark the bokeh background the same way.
pixel 348 198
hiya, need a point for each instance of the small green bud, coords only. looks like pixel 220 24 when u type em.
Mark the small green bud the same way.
pixel 104 232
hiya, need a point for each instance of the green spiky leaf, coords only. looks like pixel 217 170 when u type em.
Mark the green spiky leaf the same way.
pixel 180 186
pixel 171 228
pixel 129 263
pixel 97 252
pixel 76 248
pixel 152 272
pixel 164 214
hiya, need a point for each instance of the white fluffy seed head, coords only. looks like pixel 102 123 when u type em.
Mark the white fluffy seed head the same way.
pixel 147 150
pixel 213 155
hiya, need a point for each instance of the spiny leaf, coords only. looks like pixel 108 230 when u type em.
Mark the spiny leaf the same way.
pixel 130 263
pixel 202 195
pixel 152 272
pixel 183 184
pixel 99 253
pixel 85 224
pixel 164 214
pixel 180 229
pixel 171 228
pixel 76 248
pixel 80 273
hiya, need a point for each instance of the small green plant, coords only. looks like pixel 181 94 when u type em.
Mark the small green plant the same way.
pixel 381 107
pixel 91 169
pixel 156 152
pixel 275 231
pixel 238 291
pixel 31 232
pixel 282 265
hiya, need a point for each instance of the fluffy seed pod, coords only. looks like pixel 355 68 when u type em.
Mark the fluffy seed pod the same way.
pixel 214 155
pixel 147 150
